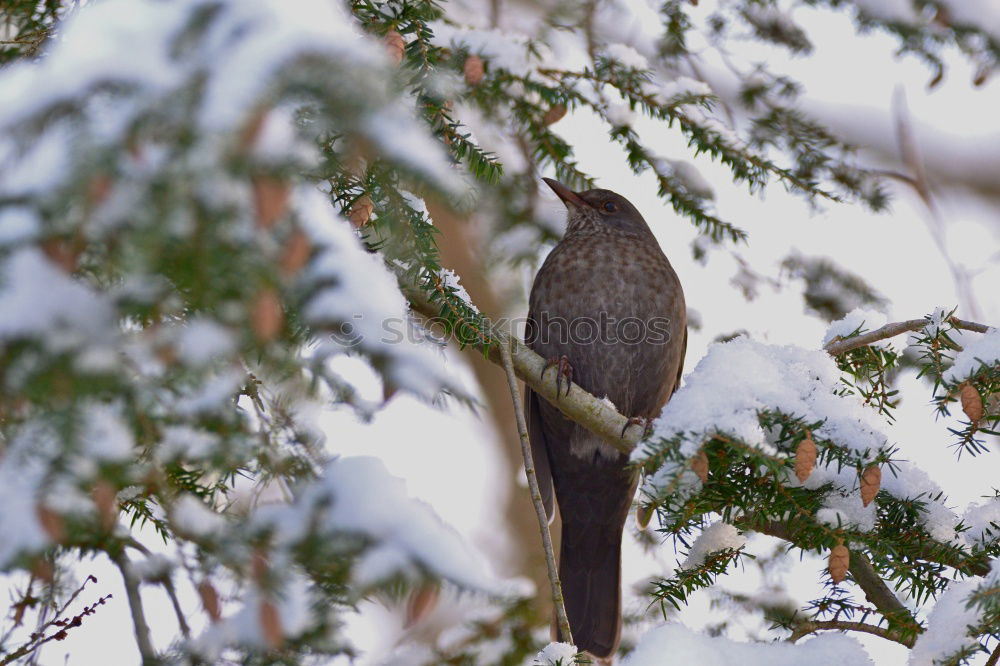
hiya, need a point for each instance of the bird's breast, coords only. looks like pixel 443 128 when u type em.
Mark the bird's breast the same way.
pixel 612 305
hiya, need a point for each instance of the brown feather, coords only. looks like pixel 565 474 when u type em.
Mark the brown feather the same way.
pixel 608 268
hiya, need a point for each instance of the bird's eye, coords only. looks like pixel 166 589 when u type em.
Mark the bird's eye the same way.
pixel 610 206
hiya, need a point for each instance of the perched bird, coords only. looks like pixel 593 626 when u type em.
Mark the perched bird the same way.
pixel 607 310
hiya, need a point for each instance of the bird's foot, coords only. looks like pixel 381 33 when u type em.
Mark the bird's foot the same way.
pixel 645 421
pixel 564 371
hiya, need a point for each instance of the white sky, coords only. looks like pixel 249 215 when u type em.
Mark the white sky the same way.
pixel 450 458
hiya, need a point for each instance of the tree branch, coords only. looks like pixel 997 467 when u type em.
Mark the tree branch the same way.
pixel 994 658
pixel 168 587
pixel 142 637
pixel 875 589
pixel 598 416
pixel 809 627
pixel 841 346
pixel 536 494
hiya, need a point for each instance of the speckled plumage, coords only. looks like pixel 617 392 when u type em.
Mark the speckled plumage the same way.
pixel 607 267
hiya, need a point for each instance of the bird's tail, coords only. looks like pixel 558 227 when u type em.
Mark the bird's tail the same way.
pixel 590 573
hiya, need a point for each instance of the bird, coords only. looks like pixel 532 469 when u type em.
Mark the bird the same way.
pixel 607 310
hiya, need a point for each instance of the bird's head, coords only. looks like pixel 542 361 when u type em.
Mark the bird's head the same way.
pixel 596 209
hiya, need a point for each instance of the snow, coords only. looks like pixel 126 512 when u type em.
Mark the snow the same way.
pixel 936 322
pixel 981 351
pixel 20 480
pixel 17 225
pixel 254 39
pixel 676 645
pixel 89 52
pixel 667 91
pixel 629 22
pixel 294 608
pixel 619 115
pixel 277 141
pixel 492 134
pixel 202 340
pixel 218 390
pixel 360 299
pixel 452 281
pixel 847 510
pixel 246 48
pixel 737 379
pixel 190 516
pixel 185 442
pixel 105 437
pixel 858 320
pixel 556 654
pixel 153 568
pixel 395 131
pixel 717 536
pixel 688 175
pixel 357 495
pixel 627 56
pixel 505 49
pixel 983 520
pixel 40 301
pixel 946 626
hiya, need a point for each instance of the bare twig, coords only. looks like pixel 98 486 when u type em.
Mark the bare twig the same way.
pixel 168 586
pixel 536 495
pixel 809 627
pixel 60 625
pixel 841 346
pixel 142 637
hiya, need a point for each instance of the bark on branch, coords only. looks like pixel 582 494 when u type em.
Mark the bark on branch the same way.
pixel 598 416
pixel 841 346
pixel 875 589
pixel 809 627
pixel 139 624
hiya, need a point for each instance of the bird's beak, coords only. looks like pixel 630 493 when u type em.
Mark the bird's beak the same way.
pixel 569 197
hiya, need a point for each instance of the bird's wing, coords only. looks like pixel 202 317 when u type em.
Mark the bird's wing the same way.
pixel 539 450
pixel 680 366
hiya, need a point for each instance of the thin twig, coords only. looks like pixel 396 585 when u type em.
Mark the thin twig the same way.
pixel 64 627
pixel 838 347
pixel 142 637
pixel 809 627
pixel 33 645
pixel 536 495
pixel 168 586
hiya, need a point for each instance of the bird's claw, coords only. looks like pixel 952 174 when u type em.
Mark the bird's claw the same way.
pixel 645 421
pixel 564 371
